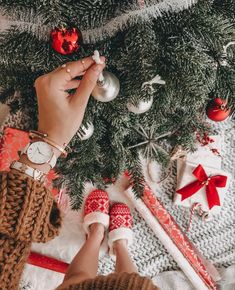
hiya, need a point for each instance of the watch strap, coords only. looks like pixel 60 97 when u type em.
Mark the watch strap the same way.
pixel 32 172
pixel 24 150
pixel 53 161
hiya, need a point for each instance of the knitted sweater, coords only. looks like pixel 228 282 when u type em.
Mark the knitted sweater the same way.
pixel 121 281
pixel 28 213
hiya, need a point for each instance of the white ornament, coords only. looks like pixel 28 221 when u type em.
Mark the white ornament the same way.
pixel 156 80
pixel 142 107
pixel 96 58
pixel 87 131
pixel 225 47
pixel 107 86
pixel 154 171
pixel 108 89
pixel 224 61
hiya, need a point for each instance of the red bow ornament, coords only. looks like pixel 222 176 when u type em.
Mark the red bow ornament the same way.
pixel 211 183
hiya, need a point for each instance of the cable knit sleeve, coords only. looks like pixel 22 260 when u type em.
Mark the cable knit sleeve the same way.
pixel 28 213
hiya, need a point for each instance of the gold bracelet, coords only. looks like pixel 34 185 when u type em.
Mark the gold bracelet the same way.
pixel 44 137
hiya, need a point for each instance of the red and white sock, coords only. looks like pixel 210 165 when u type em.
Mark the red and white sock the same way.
pixel 120 227
pixel 96 209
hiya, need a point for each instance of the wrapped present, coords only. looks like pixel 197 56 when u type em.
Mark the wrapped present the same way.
pixel 12 141
pixel 204 185
pixel 201 273
pixel 208 151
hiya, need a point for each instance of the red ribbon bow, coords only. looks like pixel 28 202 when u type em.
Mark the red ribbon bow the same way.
pixel 203 180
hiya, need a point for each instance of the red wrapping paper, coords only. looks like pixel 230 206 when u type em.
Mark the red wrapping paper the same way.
pixel 47 262
pixel 178 237
pixel 12 141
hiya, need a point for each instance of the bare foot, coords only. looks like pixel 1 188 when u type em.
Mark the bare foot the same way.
pixel 97 231
pixel 120 244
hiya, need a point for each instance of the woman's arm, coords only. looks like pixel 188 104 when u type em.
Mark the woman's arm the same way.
pixel 28 212
pixel 61 114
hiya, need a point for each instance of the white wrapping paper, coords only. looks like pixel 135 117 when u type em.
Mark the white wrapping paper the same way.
pixel 205 156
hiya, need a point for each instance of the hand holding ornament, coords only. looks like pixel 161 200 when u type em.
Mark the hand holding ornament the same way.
pixel 61 113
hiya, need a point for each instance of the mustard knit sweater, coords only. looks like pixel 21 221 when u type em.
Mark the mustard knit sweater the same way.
pixel 28 213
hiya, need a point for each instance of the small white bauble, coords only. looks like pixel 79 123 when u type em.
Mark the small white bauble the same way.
pixel 87 131
pixel 108 89
pixel 142 107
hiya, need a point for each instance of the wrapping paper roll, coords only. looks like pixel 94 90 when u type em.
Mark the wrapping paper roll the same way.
pixel 47 262
pixel 174 240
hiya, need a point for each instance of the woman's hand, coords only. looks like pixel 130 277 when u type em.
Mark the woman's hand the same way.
pixel 61 114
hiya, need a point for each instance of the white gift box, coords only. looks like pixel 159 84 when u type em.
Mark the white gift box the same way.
pixel 185 177
pixel 205 156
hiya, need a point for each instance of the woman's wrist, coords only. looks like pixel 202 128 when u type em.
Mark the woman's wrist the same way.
pixel 57 140
pixel 57 136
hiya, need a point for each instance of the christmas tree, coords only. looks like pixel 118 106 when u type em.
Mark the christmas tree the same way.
pixel 174 56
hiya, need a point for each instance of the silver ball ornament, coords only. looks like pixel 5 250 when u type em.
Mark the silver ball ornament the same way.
pixel 107 89
pixel 87 131
pixel 141 108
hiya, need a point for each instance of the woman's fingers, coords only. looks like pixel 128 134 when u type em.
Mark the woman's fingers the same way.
pixel 87 84
pixel 79 66
pixel 71 70
pixel 73 84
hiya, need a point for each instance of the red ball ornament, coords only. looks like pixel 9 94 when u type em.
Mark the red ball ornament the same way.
pixel 66 40
pixel 217 110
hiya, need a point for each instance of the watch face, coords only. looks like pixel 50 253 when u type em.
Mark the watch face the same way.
pixel 39 152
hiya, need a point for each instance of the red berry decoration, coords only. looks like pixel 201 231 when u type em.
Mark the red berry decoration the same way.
pixel 66 40
pixel 217 110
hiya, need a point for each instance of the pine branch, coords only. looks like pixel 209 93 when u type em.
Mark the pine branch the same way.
pixel 181 44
